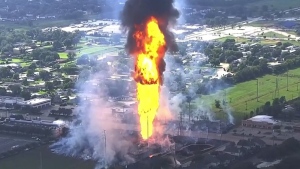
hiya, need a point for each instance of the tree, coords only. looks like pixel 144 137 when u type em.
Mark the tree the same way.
pixel 189 99
pixel 2 91
pixel 44 75
pixel 68 43
pixel 16 76
pixel 217 104
pixel 57 45
pixel 49 86
pixel 71 55
pixel 16 89
pixel 30 72
pixel 26 95
pixel 25 82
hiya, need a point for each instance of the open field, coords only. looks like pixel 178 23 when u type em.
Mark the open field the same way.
pixel 63 55
pixel 262 23
pixel 32 160
pixel 277 4
pixel 242 97
pixel 263 41
pixel 273 35
pixel 237 39
pixel 97 49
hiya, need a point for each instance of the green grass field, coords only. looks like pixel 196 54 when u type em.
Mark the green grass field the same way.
pixel 238 40
pixel 262 23
pixel 97 50
pixel 277 4
pixel 20 61
pixel 63 55
pixel 274 35
pixel 31 160
pixel 241 93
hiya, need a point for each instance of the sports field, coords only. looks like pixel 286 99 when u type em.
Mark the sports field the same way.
pixel 43 158
pixel 242 97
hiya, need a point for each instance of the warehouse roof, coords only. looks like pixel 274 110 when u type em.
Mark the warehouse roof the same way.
pixel 263 118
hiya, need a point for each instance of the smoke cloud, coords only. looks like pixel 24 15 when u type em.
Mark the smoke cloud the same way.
pixel 96 133
pixel 137 12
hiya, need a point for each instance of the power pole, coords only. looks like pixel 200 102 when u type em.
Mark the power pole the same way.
pixel 104 148
pixel 147 132
pixel 276 88
pixel 287 81
pixel 257 90
pixel 41 160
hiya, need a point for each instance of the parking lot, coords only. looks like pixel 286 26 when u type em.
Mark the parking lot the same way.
pixel 7 142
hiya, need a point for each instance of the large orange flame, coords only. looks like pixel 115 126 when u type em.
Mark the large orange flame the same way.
pixel 150 49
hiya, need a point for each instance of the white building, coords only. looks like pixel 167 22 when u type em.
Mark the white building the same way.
pixel 260 121
pixel 36 103
pixel 9 101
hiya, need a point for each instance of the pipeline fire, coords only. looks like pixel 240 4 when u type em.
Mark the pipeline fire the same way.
pixel 147 23
pixel 151 48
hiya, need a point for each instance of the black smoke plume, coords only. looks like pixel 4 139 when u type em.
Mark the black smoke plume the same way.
pixel 137 12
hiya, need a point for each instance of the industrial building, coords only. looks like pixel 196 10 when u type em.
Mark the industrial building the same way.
pixel 54 126
pixel 36 103
pixel 260 121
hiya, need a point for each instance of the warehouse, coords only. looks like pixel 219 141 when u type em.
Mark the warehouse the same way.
pixel 260 121
pixel 36 103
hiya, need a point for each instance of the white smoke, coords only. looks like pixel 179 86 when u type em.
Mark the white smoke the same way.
pixel 180 4
pixel 96 126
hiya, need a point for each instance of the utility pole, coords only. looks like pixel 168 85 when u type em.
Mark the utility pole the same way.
pixel 276 88
pixel 287 81
pixel 147 132
pixel 41 160
pixel 104 132
pixel 257 90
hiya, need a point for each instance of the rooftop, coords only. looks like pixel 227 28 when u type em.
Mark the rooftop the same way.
pixel 263 118
pixel 35 101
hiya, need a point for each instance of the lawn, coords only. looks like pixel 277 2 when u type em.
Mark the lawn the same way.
pixel 237 39
pixel 21 61
pixel 63 55
pixel 32 160
pixel 278 4
pixel 273 35
pixel 96 49
pixel 242 97
pixel 262 23
pixel 273 42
